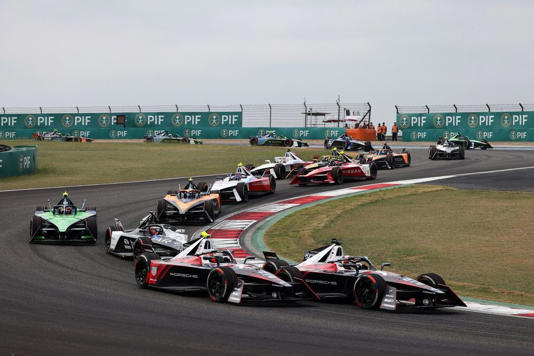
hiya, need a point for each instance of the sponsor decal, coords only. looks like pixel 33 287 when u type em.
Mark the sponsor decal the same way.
pixel 30 121
pixel 318 281
pixel 113 133
pixel 224 133
pixel 438 121
pixel 404 121
pixel 413 135
pixel 177 120
pixel 214 120
pixel 472 121
pixel 67 121
pixel 104 120
pixel 506 120
pixel 154 270
pixel 140 120
pixel 183 275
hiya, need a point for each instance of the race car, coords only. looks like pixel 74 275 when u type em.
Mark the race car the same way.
pixel 347 143
pixel 166 137
pixel 189 204
pixel 334 169
pixel 55 135
pixel 386 158
pixel 446 150
pixel 282 166
pixel 238 185
pixel 328 273
pixel 63 222
pixel 467 143
pixel 272 139
pixel 200 267
pixel 164 240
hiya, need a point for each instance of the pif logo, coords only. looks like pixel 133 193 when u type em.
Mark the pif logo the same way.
pixel 480 135
pixel 296 133
pixel 104 120
pixel 413 135
pixel 113 134
pixel 513 135
pixel 404 121
pixel 506 120
pixel 187 132
pixel 67 120
pixel 224 133
pixel 30 121
pixel 261 132
pixel 177 120
pixel 439 121
pixel 214 120
pixel 472 121
pixel 150 132
pixel 140 120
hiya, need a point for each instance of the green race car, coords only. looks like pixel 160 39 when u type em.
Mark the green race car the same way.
pixel 63 222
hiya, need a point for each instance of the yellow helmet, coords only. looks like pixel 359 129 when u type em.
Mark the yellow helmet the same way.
pixel 341 152
pixel 204 234
pixel 190 179
pixel 334 149
pixel 65 194
pixel 240 164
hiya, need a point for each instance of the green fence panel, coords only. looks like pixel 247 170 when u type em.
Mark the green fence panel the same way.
pixel 493 126
pixel 19 160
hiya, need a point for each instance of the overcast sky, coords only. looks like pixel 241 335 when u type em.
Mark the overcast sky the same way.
pixel 65 53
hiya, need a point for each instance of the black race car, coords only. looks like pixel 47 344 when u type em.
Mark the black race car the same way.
pixel 328 273
pixel 347 143
pixel 199 267
pixel 467 143
pixel 272 139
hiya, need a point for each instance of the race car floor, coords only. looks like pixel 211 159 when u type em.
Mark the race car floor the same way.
pixel 77 299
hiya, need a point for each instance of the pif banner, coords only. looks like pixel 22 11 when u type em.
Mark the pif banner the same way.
pixel 496 126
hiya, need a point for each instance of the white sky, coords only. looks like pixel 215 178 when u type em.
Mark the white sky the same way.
pixel 66 53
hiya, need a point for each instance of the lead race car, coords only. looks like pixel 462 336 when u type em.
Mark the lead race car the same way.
pixel 334 169
pixel 345 142
pixel 467 143
pixel 328 273
pixel 64 222
pixel 164 240
pixel 444 149
pixel 386 158
pixel 272 139
pixel 189 204
pixel 281 167
pixel 238 185
pixel 200 267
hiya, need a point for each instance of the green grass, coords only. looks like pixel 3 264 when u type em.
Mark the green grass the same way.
pixel 481 242
pixel 66 163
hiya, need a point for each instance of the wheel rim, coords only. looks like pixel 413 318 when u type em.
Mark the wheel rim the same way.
pixel 366 292
pixel 140 275
pixel 216 286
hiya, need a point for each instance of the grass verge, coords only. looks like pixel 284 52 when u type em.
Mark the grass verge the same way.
pixel 481 242
pixel 72 163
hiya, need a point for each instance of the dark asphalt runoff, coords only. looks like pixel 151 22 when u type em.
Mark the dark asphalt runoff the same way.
pixel 78 300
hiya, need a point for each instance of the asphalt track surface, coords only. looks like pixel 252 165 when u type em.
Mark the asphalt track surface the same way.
pixel 78 300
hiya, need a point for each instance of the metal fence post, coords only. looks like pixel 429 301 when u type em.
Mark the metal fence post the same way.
pixel 455 107
pixel 427 109
pixel 370 109
pixel 3 108
pixel 520 105
pixel 209 109
pixel 139 107
pixel 77 109
pixel 176 105
pixel 241 106
pixel 270 115
pixel 41 109
pixel 305 114
pixel 397 109
pixel 489 109
pixel 338 111
pixel 109 108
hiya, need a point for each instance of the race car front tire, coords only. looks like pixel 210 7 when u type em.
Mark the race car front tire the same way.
pixel 253 141
pixel 272 184
pixel 461 153
pixel 280 171
pixel 220 283
pixel 142 245
pixel 274 265
pixel 92 227
pixel 369 290
pixel 107 237
pixel 203 187
pixel 242 190
pixel 289 274
pixel 432 152
pixel 35 226
pixel 142 268
pixel 337 175
pixel 160 209
pixel 373 171
pixel 210 210
pixel 431 279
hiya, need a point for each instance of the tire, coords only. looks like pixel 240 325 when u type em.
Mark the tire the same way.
pixel 220 283
pixel 373 171
pixel 142 245
pixel 35 226
pixel 107 237
pixel 368 291
pixel 367 146
pixel 142 268
pixel 160 209
pixel 92 226
pixel 431 279
pixel 467 144
pixel 337 174
pixel 483 147
pixel 390 161
pixel 409 160
pixel 289 274
pixel 325 144
pixel 242 190
pixel 287 143
pixel 254 141
pixel 432 152
pixel 272 184
pixel 210 211
pixel 203 187
pixel 273 266
pixel 280 171
pixel 461 153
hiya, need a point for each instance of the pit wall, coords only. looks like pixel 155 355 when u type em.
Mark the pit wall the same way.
pixel 191 124
pixel 492 126
pixel 19 160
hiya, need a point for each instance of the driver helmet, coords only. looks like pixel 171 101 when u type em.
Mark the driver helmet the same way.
pixel 153 230
pixel 68 210
pixel 205 235
pixel 65 194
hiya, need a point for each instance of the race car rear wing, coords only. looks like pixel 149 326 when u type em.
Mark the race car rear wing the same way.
pixel 269 255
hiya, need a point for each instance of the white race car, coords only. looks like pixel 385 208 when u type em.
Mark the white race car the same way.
pixel 237 186
pixel 282 166
pixel 446 150
pixel 166 240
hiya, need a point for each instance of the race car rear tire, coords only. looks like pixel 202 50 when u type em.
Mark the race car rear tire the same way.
pixel 280 171
pixel 409 160
pixel 203 187
pixel 289 274
pixel 142 245
pixel 242 190
pixel 142 268
pixel 367 146
pixel 461 153
pixel 160 209
pixel 373 171
pixel 272 184
pixel 107 237
pixel 92 226
pixel 274 265
pixel 210 210
pixel 483 147
pixel 432 152
pixel 253 141
pixel 220 283
pixel 337 174
pixel 391 161
pixel 326 144
pixel 431 279
pixel 369 290
pixel 35 226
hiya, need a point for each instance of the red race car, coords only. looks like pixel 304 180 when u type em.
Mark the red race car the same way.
pixel 334 169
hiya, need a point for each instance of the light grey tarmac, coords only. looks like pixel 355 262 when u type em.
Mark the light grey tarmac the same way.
pixel 78 300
